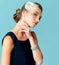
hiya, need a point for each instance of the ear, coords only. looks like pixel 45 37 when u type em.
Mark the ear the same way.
pixel 24 13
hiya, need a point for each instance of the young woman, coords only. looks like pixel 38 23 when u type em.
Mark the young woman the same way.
pixel 20 45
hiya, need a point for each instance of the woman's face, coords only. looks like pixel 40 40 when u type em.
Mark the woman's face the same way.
pixel 32 17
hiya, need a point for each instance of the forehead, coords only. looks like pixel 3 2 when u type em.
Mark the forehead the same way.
pixel 36 10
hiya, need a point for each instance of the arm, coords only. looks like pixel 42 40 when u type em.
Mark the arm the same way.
pixel 6 50
pixel 37 52
pixel 33 41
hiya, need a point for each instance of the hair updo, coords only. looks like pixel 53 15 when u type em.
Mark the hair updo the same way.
pixel 27 6
pixel 17 15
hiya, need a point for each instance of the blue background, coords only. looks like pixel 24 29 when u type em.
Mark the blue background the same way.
pixel 47 30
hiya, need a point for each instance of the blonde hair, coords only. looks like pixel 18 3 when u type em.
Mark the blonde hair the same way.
pixel 27 6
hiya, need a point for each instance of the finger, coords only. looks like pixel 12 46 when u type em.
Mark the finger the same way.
pixel 22 30
pixel 26 24
pixel 24 27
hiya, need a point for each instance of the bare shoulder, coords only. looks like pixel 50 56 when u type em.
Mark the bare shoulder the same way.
pixel 7 48
pixel 8 42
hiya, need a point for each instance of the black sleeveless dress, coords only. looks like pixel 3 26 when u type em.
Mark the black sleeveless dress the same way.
pixel 21 53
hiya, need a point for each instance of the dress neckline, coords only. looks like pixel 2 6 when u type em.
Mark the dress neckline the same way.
pixel 17 38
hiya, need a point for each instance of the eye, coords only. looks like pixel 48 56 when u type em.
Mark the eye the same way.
pixel 35 14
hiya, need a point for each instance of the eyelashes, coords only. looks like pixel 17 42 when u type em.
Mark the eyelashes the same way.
pixel 36 15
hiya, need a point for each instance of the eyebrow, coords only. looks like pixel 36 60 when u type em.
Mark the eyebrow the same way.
pixel 37 12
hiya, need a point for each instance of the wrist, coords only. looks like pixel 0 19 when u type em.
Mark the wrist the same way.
pixel 35 47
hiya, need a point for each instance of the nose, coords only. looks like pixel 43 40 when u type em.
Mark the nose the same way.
pixel 37 20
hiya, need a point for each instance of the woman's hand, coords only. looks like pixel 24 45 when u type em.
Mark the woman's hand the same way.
pixel 26 29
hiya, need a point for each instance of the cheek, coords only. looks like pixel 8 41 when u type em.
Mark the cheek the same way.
pixel 29 19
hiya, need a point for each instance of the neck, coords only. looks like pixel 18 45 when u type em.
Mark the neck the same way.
pixel 16 31
pixel 19 35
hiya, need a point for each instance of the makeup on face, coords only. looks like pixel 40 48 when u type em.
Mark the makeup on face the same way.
pixel 33 16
